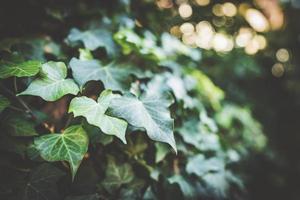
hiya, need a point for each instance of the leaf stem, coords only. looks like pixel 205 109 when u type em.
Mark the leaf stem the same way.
pixel 176 166
pixel 16 108
pixel 69 120
pixel 15 85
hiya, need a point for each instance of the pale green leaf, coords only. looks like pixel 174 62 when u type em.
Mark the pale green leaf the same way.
pixel 93 39
pixel 190 133
pixel 112 77
pixel 85 54
pixel 149 112
pixel 200 166
pixel 71 145
pixel 4 103
pixel 52 84
pixel 19 69
pixel 185 186
pixel 94 113
pixel 161 151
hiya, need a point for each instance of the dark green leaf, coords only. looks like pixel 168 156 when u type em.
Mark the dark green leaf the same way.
pixel 42 183
pixel 117 175
pixel 4 103
pixel 19 126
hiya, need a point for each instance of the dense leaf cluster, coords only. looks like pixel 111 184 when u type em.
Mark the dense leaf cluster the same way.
pixel 116 111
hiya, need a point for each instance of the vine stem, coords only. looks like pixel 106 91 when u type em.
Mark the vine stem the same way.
pixel 28 110
pixel 16 108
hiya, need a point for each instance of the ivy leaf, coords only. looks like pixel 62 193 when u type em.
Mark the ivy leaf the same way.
pixel 117 175
pixel 200 166
pixel 185 186
pixel 42 183
pixel 4 103
pixel 93 39
pixel 148 112
pixel 161 152
pixel 69 146
pixel 112 77
pixel 18 126
pixel 52 84
pixel 19 69
pixel 96 135
pixel 94 113
pixel 190 133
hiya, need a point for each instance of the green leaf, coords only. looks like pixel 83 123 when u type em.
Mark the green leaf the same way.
pixel 200 166
pixel 219 184
pixel 94 113
pixel 161 152
pixel 96 135
pixel 19 126
pixel 71 145
pixel 205 88
pixel 112 77
pixel 42 183
pixel 149 112
pixel 52 84
pixel 117 175
pixel 185 186
pixel 19 69
pixel 85 54
pixel 93 39
pixel 12 145
pixel 190 133
pixel 4 103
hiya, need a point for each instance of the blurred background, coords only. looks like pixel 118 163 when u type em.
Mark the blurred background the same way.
pixel 249 49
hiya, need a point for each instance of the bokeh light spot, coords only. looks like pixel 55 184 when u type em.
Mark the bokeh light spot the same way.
pixel 277 70
pixel 282 55
pixel 185 10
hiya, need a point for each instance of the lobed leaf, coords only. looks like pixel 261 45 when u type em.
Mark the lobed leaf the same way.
pixel 94 112
pixel 52 84
pixel 148 112
pixel 112 77
pixel 93 39
pixel 19 69
pixel 117 175
pixel 71 146
pixel 42 183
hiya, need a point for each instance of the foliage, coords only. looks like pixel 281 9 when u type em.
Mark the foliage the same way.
pixel 106 79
